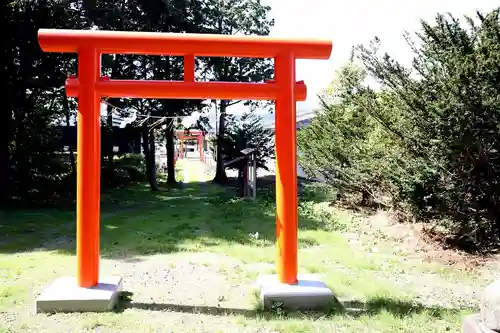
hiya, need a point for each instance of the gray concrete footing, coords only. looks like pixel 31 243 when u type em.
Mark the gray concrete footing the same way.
pixel 472 324
pixel 310 293
pixel 64 295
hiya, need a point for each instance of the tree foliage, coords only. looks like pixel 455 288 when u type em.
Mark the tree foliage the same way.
pixel 428 135
pixel 343 144
pixel 247 132
pixel 30 168
pixel 32 165
pixel 236 17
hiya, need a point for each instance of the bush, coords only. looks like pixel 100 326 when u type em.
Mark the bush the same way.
pixel 428 138
pixel 126 168
pixel 345 146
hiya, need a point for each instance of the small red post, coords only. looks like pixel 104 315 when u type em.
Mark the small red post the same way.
pixel 200 146
pixel 88 169
pixel 286 170
pixel 189 68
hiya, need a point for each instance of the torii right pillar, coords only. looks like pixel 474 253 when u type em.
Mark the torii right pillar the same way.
pixel 287 288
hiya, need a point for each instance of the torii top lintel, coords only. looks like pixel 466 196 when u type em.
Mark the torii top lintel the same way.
pixel 190 133
pixel 178 44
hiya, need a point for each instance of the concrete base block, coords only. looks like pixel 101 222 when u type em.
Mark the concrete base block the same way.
pixel 472 324
pixel 309 294
pixel 64 295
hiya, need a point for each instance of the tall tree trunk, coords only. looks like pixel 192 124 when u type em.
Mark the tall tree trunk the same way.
pixel 6 113
pixel 115 74
pixel 152 162
pixel 169 135
pixel 6 121
pixel 72 159
pixel 21 155
pixel 145 141
pixel 109 144
pixel 5 138
pixel 220 173
pixel 146 146
pixel 241 180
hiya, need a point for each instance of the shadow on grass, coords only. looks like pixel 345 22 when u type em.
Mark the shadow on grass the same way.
pixel 397 308
pixel 136 222
pixel 127 303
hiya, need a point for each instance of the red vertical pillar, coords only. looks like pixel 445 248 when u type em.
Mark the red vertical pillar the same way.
pixel 189 68
pixel 188 77
pixel 200 146
pixel 97 120
pixel 286 170
pixel 88 169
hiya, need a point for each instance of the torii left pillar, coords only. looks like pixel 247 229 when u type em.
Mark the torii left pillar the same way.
pixel 88 292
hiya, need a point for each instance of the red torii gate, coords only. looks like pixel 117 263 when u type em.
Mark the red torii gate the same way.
pixel 192 134
pixel 90 87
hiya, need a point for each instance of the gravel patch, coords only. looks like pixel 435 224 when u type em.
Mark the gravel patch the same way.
pixel 183 292
pixel 192 279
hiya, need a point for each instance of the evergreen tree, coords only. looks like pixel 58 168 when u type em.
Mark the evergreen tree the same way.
pixel 246 132
pixel 449 101
pixel 172 16
pixel 428 136
pixel 236 17
pixel 32 82
pixel 343 144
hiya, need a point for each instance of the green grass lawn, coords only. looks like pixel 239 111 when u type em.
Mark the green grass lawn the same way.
pixel 208 239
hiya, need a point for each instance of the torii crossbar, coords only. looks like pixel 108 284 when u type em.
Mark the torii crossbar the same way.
pixel 90 87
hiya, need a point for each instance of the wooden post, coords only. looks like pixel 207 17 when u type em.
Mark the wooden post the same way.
pixel 189 68
pixel 254 176
pixel 245 179
pixel 200 147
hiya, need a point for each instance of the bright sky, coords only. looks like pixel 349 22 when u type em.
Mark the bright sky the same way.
pixel 351 22
pixel 348 23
